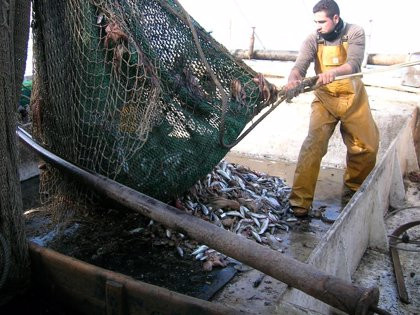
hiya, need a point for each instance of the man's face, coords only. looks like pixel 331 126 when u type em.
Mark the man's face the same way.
pixel 323 23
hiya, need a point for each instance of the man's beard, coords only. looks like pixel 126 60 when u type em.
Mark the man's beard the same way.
pixel 333 35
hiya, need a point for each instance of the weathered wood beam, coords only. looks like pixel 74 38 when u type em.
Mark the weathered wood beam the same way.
pixel 291 55
pixel 95 291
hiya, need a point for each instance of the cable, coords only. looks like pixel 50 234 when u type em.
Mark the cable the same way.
pixel 398 210
pixel 401 240
pixel 249 22
pixel 4 259
pixel 405 249
pixel 378 310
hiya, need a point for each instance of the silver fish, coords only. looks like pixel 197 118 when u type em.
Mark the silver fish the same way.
pixel 224 174
pixel 273 202
pixel 283 227
pixel 256 236
pixel 180 251
pixel 201 249
pixel 199 256
pixel 264 226
pixel 205 210
pixel 216 219
pixel 228 189
pixel 235 214
pixel 256 221
pixel 257 215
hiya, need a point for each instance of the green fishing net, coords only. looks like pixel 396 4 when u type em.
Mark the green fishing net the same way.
pixel 124 92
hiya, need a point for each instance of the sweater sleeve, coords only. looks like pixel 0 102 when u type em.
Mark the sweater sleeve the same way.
pixel 356 50
pixel 306 55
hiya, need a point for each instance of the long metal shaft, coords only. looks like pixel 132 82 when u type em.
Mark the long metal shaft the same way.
pixel 329 289
pixel 379 70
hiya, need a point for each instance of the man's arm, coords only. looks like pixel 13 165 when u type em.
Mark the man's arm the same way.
pixel 306 56
pixel 295 78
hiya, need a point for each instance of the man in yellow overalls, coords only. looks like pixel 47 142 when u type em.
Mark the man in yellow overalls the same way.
pixel 337 49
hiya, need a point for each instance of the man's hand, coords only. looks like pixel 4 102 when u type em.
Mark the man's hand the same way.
pixel 326 77
pixel 294 85
pixel 292 89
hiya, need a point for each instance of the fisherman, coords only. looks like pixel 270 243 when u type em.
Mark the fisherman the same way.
pixel 337 48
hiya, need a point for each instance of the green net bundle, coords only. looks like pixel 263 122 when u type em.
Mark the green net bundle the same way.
pixel 25 95
pixel 123 92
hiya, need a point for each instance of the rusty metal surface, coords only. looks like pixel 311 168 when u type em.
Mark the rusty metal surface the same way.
pixel 395 258
pixel 329 289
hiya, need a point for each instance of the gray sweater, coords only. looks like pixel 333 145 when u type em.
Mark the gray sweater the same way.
pixel 355 53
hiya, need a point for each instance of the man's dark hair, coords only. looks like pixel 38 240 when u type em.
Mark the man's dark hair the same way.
pixel 329 6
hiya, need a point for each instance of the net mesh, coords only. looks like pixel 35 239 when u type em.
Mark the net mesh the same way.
pixel 122 91
pixel 14 258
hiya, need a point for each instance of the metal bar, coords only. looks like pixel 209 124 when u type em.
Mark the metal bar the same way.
pixel 395 258
pixel 402 291
pixel 327 288
pixel 388 68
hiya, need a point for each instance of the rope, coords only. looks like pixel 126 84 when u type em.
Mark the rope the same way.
pixel 378 310
pixel 307 85
pixel 4 260
pixel 209 71
pixel 405 249
pixel 398 210
pixel 249 22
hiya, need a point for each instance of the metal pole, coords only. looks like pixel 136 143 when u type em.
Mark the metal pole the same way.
pixel 251 44
pixel 388 68
pixel 327 288
pixel 395 258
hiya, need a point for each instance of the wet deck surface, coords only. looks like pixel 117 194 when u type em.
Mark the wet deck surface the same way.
pixel 327 198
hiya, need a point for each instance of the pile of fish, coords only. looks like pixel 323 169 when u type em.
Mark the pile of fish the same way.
pixel 242 201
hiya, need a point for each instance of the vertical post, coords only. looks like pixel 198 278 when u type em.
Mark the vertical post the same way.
pixel 251 44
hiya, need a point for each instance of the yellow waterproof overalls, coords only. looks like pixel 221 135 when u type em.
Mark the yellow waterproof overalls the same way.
pixel 345 101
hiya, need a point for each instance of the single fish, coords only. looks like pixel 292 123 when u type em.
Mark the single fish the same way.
pixel 180 251
pixel 201 249
pixel 264 226
pixel 256 236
